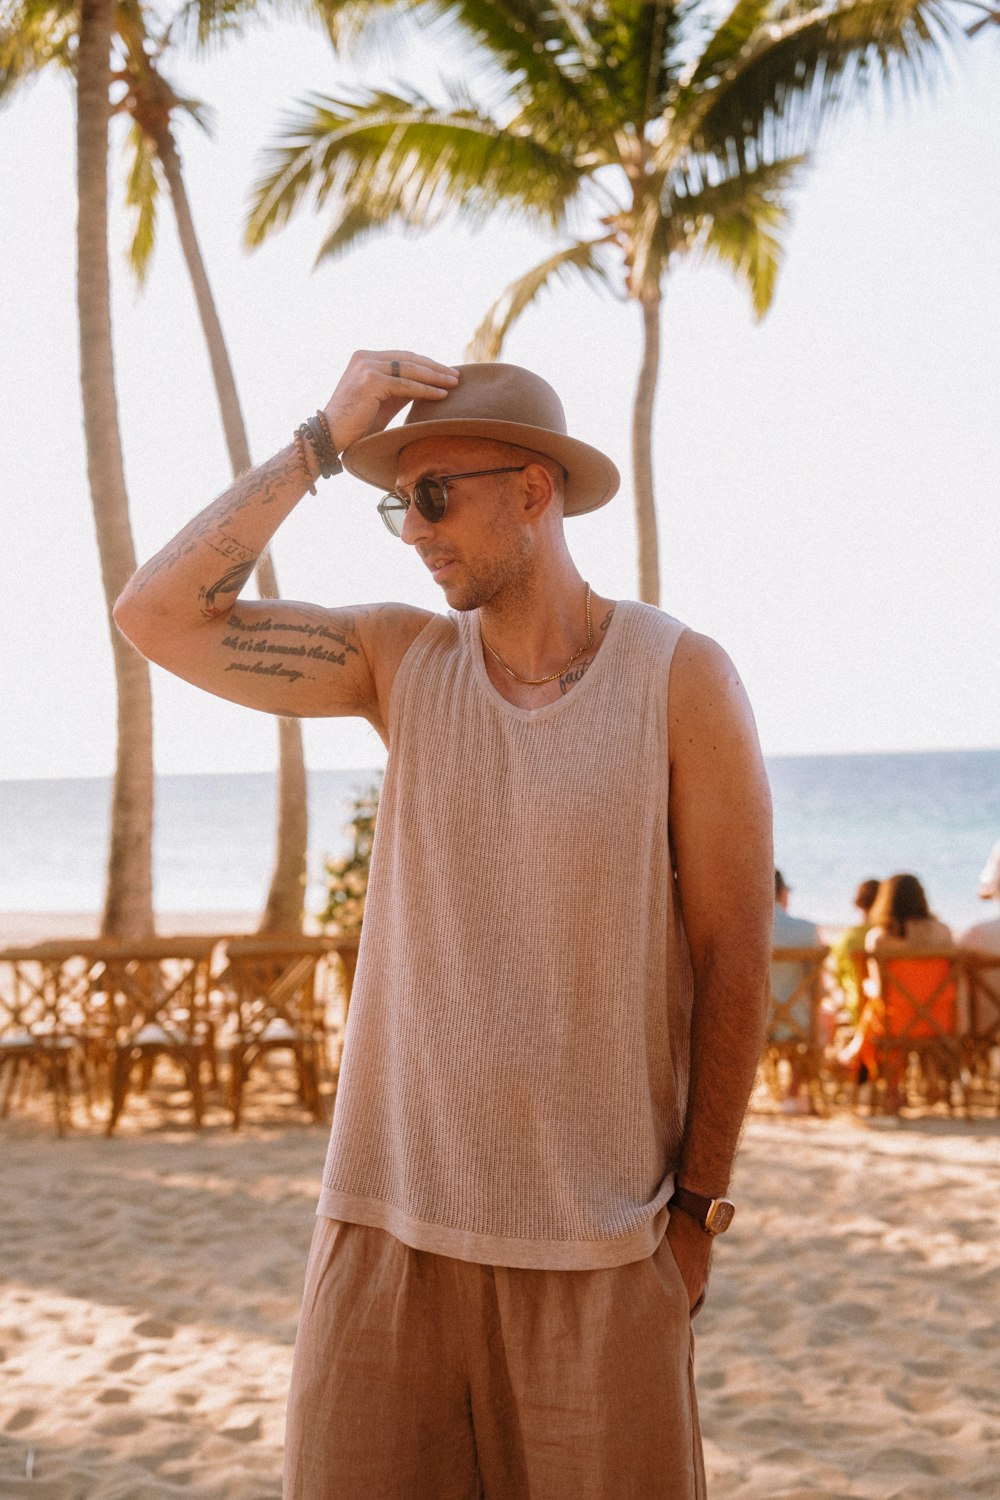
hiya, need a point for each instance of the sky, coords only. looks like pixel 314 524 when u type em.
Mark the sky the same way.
pixel 827 479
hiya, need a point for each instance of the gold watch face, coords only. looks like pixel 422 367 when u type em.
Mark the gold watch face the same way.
pixel 720 1216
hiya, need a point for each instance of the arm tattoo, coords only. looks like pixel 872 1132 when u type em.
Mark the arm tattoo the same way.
pixel 262 486
pixel 229 583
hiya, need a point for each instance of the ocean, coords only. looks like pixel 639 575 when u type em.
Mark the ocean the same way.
pixel 838 819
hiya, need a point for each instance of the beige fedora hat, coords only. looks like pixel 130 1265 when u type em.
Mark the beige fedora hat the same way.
pixel 503 402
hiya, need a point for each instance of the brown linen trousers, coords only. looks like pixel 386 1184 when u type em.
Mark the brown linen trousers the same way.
pixel 422 1377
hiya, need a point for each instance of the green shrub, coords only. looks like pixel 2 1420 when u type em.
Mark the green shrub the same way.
pixel 347 877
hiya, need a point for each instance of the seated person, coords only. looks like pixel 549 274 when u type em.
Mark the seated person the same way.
pixel 847 969
pixel 787 975
pixel 901 922
pixel 984 937
pixel 901 919
pixel 989 880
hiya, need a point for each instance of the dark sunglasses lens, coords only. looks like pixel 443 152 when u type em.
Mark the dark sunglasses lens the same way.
pixel 430 499
pixel 392 509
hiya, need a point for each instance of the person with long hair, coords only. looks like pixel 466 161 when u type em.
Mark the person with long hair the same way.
pixel 900 918
pixel 901 922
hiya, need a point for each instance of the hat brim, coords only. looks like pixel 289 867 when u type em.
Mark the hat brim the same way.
pixel 591 480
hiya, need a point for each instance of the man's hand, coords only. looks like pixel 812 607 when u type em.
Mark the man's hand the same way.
pixel 691 1248
pixel 370 392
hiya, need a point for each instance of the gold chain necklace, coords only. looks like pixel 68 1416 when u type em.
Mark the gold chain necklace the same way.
pixel 538 681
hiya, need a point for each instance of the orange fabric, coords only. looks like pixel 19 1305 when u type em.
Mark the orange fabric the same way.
pixel 910 983
pixel 424 1377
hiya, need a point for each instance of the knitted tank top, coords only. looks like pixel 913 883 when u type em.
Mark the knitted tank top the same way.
pixel 514 1076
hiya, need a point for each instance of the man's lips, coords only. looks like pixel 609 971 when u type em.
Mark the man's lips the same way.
pixel 438 566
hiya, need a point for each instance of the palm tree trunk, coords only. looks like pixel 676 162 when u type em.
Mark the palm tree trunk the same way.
pixel 286 896
pixel 128 898
pixel 642 455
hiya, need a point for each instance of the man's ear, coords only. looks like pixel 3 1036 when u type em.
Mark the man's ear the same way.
pixel 538 490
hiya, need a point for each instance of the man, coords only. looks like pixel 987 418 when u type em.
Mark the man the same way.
pixel 786 977
pixel 559 1000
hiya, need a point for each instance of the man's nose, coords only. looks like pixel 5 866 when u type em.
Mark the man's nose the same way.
pixel 415 527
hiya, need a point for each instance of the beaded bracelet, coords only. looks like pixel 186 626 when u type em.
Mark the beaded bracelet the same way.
pixel 300 448
pixel 316 432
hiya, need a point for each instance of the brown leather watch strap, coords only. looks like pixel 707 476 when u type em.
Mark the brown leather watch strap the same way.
pixel 713 1214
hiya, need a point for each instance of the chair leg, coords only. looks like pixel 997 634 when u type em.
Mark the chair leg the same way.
pixel 194 1078
pixel 119 1086
pixel 236 1079
pixel 60 1093
pixel 9 1066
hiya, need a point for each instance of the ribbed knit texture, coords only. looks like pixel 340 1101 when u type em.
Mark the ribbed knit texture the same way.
pixel 514 1077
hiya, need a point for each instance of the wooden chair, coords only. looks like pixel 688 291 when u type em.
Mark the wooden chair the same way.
pixel 155 994
pixel 794 1033
pixel 278 1004
pixel 981 1043
pixel 43 1023
pixel 914 1020
pixel 346 951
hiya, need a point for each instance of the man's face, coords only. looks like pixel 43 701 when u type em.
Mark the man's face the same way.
pixel 478 548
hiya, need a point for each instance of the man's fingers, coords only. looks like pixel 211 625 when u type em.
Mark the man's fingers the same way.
pixel 410 363
pixel 420 377
pixel 377 384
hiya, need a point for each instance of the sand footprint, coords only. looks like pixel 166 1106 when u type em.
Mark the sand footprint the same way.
pixel 23 1417
pixel 123 1362
pixel 154 1328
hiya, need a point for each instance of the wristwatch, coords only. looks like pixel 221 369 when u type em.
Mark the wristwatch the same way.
pixel 713 1214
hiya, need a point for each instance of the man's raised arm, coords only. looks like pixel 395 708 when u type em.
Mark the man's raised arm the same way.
pixel 181 609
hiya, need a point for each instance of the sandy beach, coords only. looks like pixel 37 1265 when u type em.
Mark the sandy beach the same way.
pixel 150 1287
pixel 151 1284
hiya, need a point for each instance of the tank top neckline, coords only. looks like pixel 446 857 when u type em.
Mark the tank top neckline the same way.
pixel 472 643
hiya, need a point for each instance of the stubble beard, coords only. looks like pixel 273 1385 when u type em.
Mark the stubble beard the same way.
pixel 483 581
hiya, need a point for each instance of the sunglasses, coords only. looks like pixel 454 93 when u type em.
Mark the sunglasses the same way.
pixel 430 496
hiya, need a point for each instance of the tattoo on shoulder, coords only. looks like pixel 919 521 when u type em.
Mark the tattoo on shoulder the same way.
pixel 607 618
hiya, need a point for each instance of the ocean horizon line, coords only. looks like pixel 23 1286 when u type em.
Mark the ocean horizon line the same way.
pixel 374 768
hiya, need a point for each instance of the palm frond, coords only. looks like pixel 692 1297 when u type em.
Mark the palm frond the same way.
pixel 142 190
pixel 639 39
pixel 738 222
pixel 33 34
pixel 386 158
pixel 724 48
pixel 798 71
pixel 546 52
pixel 583 258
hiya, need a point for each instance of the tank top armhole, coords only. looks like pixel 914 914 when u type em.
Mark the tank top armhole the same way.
pixel 420 640
pixel 669 654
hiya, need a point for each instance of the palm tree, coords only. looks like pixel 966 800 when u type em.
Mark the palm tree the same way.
pixel 658 129
pixel 128 902
pixel 152 103
pixel 44 32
